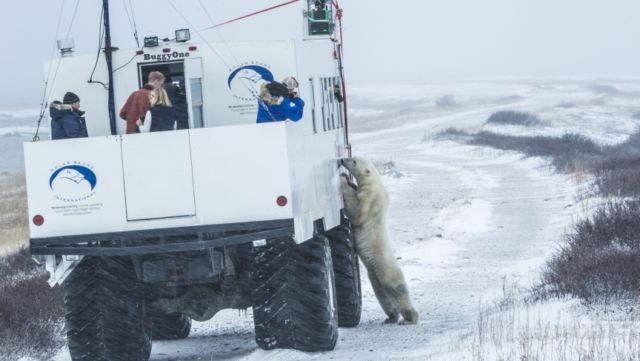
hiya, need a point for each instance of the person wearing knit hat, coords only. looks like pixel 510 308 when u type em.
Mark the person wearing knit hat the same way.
pixel 67 120
pixel 70 98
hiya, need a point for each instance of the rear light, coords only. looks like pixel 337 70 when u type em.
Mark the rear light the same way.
pixel 139 52
pixel 193 48
pixel 166 50
pixel 38 220
pixel 282 201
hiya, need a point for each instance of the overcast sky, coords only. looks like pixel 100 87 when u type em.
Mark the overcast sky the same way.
pixel 400 41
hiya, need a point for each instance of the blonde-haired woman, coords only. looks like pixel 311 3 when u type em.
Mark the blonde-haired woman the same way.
pixel 161 116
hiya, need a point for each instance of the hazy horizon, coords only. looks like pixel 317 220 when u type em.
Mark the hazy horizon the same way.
pixel 407 42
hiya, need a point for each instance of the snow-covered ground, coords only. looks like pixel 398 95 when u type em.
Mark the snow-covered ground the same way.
pixel 464 221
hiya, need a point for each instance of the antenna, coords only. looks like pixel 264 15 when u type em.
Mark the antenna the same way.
pixel 108 51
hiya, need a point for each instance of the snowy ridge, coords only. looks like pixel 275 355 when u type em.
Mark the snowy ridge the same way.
pixel 19 114
pixel 21 131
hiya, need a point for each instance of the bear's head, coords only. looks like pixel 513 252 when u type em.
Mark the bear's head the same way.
pixel 361 168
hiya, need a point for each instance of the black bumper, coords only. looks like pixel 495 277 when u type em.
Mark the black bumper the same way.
pixel 166 240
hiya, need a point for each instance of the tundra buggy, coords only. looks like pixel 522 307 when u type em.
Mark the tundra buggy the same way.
pixel 147 232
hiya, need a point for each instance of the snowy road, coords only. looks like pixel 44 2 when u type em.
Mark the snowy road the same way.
pixel 463 220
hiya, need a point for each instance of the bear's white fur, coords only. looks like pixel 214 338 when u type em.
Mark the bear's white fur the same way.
pixel 366 207
pixel 349 193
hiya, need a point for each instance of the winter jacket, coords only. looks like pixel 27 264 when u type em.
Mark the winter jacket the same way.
pixel 289 108
pixel 136 106
pixel 158 119
pixel 178 99
pixel 67 122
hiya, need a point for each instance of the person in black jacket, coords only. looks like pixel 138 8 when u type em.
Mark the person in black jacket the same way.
pixel 178 97
pixel 161 116
pixel 67 120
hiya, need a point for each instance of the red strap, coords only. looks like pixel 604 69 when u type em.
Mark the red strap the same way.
pixel 252 14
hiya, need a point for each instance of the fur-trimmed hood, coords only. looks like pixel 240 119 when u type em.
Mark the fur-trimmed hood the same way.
pixel 58 110
pixel 267 97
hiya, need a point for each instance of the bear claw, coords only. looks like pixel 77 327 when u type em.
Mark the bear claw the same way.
pixel 408 322
pixel 391 319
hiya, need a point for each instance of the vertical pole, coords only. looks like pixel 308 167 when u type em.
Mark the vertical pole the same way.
pixel 341 70
pixel 344 94
pixel 108 52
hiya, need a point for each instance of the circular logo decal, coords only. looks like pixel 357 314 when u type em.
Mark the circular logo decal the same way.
pixel 245 81
pixel 72 183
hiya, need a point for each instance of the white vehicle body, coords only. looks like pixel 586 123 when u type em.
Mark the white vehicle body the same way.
pixel 224 170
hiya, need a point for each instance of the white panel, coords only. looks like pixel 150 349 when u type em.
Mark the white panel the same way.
pixel 239 172
pixel 314 59
pixel 315 179
pixel 193 67
pixel 157 175
pixel 76 185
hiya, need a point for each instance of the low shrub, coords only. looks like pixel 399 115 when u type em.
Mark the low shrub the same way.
pixel 453 134
pixel 513 118
pixel 618 177
pixel 601 258
pixel 31 312
pixel 617 168
pixel 567 153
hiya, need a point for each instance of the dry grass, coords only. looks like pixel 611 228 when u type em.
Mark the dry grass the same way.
pixel 520 329
pixel 31 312
pixel 547 332
pixel 14 230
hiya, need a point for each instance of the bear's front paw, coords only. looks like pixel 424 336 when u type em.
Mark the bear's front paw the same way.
pixel 357 220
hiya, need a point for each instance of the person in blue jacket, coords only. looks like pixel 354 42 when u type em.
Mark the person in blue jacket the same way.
pixel 67 120
pixel 280 101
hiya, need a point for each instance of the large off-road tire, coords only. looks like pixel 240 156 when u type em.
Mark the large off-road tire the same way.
pixel 294 296
pixel 174 326
pixel 346 268
pixel 105 312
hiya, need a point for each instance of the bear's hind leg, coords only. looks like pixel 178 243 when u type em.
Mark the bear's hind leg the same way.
pixel 409 314
pixel 395 287
pixel 387 306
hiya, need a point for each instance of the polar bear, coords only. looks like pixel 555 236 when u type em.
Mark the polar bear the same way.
pixel 366 207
